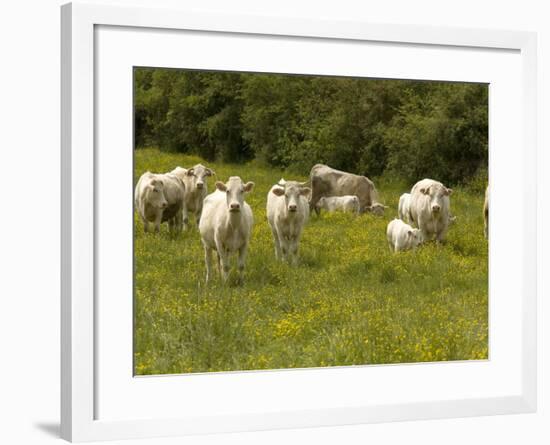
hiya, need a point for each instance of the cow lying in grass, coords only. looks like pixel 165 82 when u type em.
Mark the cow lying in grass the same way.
pixel 347 203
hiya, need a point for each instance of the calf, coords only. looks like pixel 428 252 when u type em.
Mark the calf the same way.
pixel 196 188
pixel 347 203
pixel 160 198
pixel 430 208
pixel 401 236
pixel 287 213
pixel 226 225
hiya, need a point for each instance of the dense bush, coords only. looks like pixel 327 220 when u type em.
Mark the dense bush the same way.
pixel 408 129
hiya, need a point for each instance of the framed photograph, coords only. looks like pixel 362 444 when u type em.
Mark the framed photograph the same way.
pixel 277 223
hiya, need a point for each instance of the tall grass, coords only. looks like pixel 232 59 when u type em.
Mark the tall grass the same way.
pixel 350 301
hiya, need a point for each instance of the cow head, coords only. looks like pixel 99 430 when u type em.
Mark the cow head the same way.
pixel 155 194
pixel 291 190
pixel 198 174
pixel 320 202
pixel 235 189
pixel 437 194
pixel 415 237
pixel 377 208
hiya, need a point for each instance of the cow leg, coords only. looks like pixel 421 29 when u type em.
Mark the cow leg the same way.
pixel 283 245
pixel 198 212
pixel 145 225
pixel 178 222
pixel 218 263
pixel 158 220
pixel 224 263
pixel 208 262
pixel 293 249
pixel 284 249
pixel 313 203
pixel 276 243
pixel 241 261
pixel 313 206
pixel 184 217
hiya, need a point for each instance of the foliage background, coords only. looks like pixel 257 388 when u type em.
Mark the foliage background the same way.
pixel 407 129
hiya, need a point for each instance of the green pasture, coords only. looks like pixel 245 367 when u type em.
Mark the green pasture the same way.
pixel 349 301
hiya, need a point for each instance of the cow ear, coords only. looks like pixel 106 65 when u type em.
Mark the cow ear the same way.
pixel 221 186
pixel 424 191
pixel 210 172
pixel 305 191
pixel 191 172
pixel 448 191
pixel 249 186
pixel 278 191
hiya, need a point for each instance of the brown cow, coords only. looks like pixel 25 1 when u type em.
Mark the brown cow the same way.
pixel 326 181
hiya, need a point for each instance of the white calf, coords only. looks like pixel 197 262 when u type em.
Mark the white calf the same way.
pixel 346 203
pixel 401 236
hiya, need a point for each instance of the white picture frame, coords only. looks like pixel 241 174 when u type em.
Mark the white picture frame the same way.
pixel 80 418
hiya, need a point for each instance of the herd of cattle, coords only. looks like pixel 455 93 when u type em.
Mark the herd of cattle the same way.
pixel 225 219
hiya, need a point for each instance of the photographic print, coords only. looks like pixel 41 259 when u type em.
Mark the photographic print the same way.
pixel 295 221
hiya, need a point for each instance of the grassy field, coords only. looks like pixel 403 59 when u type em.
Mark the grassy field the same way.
pixel 350 301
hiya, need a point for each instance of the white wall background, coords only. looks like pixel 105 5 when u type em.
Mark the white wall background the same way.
pixel 29 218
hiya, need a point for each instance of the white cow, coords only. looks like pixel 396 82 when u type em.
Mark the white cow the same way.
pixel 486 214
pixel 226 225
pixel 287 213
pixel 404 206
pixel 402 236
pixel 346 203
pixel 160 198
pixel 430 208
pixel 196 188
